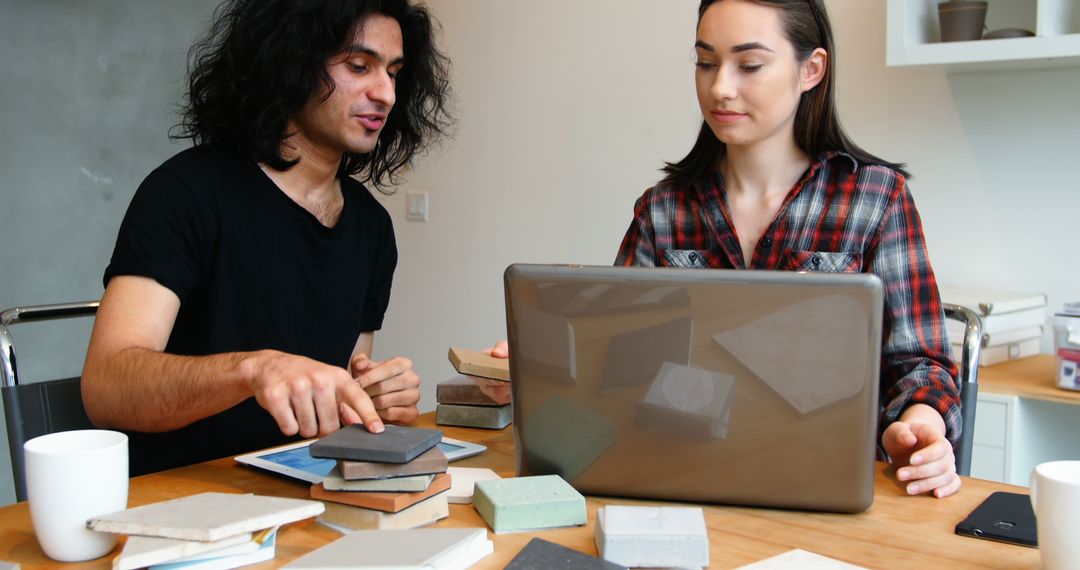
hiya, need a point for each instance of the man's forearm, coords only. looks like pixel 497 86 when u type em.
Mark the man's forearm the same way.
pixel 145 390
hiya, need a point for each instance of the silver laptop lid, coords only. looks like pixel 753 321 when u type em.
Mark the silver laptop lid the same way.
pixel 742 387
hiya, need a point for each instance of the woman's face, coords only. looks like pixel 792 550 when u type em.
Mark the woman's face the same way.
pixel 748 78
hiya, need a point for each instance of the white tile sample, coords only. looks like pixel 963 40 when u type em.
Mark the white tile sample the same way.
pixel 653 536
pixel 801 560
pixel 463 482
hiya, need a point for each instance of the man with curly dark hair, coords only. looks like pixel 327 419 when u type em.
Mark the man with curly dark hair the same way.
pixel 251 270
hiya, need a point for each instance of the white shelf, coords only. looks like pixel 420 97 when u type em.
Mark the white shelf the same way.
pixel 913 37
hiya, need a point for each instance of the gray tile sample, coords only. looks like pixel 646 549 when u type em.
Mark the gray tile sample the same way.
pixel 472 392
pixel 486 417
pixel 395 445
pixel 431 461
pixel 540 554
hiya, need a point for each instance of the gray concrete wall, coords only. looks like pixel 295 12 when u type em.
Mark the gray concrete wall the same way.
pixel 88 91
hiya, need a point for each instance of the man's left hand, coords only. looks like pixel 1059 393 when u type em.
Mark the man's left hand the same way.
pixel 393 386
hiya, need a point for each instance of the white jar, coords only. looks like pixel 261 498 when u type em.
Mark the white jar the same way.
pixel 1067 345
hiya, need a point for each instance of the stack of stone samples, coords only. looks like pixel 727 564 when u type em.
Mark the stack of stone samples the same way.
pixel 473 402
pixel 480 397
pixel 393 480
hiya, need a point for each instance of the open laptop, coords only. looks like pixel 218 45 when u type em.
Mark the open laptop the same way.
pixel 739 387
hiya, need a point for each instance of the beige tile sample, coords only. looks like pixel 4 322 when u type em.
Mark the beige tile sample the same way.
pixel 143 551
pixel 348 517
pixel 207 516
pixel 433 548
pixel 335 482
pixel 476 363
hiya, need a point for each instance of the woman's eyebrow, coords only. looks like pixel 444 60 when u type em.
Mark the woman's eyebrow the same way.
pixel 736 49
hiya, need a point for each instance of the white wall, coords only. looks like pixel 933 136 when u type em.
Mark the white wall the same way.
pixel 568 108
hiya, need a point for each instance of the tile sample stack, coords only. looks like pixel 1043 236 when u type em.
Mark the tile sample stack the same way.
pixel 653 536
pixel 204 532
pixel 393 480
pixel 473 402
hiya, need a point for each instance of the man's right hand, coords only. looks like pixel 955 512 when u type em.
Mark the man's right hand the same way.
pixel 305 396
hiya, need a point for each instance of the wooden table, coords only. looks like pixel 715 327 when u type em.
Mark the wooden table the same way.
pixel 897 532
pixel 1033 377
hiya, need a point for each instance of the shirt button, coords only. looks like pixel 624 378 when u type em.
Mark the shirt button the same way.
pixel 816 260
pixel 767 242
pixel 693 257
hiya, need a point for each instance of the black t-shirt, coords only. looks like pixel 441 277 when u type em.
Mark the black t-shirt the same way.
pixel 253 270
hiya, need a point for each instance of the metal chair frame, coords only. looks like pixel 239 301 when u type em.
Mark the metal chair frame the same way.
pixel 39 408
pixel 968 380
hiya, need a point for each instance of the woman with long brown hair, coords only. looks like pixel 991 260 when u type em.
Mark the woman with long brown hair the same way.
pixel 773 183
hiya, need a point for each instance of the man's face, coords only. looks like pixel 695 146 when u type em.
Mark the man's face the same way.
pixel 364 73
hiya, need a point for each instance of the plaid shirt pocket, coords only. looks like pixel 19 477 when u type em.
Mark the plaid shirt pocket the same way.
pixel 824 261
pixel 688 258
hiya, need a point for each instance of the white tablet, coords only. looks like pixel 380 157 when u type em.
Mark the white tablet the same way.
pixel 294 461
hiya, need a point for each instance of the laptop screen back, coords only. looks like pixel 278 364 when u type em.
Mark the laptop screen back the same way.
pixel 741 387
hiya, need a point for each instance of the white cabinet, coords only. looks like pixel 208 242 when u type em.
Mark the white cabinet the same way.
pixel 991 446
pixel 913 36
pixel 1013 434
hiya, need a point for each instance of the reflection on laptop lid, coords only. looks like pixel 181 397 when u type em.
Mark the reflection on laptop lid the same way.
pixel 742 387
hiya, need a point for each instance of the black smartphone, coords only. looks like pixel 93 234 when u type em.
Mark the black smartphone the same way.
pixel 1003 517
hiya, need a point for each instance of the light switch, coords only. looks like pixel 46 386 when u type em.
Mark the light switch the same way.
pixel 418 206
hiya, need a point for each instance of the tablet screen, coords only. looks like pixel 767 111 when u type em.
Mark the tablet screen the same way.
pixel 295 461
pixel 298 458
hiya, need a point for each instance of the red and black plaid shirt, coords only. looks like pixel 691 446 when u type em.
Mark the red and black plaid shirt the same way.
pixel 840 217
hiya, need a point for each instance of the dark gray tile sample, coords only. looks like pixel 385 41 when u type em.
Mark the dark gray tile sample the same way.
pixel 540 554
pixel 395 445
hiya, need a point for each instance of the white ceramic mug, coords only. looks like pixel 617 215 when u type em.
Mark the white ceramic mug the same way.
pixel 72 476
pixel 1055 496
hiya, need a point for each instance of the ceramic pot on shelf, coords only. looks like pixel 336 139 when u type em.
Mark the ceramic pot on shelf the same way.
pixel 961 21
